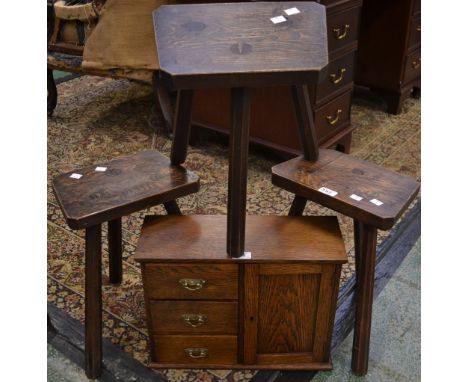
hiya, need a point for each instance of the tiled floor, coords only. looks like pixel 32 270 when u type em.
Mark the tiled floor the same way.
pixel 396 331
pixel 395 342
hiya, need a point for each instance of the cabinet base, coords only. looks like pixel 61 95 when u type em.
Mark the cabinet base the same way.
pixel 305 366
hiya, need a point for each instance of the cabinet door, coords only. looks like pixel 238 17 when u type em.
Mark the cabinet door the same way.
pixel 288 313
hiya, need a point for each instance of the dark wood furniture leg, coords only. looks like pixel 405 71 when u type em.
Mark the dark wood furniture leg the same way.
pixel 306 128
pixel 172 208
pixel 114 235
pixel 93 303
pixel 51 93
pixel 164 100
pixel 237 184
pixel 365 273
pixel 344 144
pixel 181 126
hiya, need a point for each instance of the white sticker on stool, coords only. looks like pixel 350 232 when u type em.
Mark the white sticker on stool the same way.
pixel 356 197
pixel 278 19
pixel 292 11
pixel 377 202
pixel 75 176
pixel 100 169
pixel 327 191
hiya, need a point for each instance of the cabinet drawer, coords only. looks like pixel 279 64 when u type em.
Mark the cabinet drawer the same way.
pixel 342 28
pixel 190 281
pixel 194 317
pixel 413 66
pixel 332 116
pixel 415 33
pixel 197 350
pixel 340 73
pixel 417 6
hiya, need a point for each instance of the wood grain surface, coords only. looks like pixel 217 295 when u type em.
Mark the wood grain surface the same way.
pixel 202 238
pixel 129 184
pixel 348 175
pixel 220 317
pixel 237 44
pixel 162 280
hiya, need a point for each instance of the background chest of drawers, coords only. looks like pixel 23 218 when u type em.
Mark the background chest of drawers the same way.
pixel 272 116
pixel 389 55
pixel 275 310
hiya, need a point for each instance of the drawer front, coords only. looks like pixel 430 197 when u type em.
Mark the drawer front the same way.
pixel 417 6
pixel 415 33
pixel 194 317
pixel 342 28
pixel 413 66
pixel 197 350
pixel 190 281
pixel 332 117
pixel 340 74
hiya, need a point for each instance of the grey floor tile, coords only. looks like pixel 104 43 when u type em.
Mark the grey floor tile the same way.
pixel 396 331
pixel 61 369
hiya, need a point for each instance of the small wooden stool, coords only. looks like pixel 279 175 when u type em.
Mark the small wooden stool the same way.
pixel 238 46
pixel 373 196
pixel 96 194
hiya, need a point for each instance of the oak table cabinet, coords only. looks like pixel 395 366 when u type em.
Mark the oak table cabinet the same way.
pixel 272 116
pixel 272 309
pixel 389 55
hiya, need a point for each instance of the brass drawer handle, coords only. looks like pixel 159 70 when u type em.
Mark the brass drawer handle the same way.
pixel 335 79
pixel 416 63
pixel 192 284
pixel 341 35
pixel 418 29
pixel 332 120
pixel 196 352
pixel 194 320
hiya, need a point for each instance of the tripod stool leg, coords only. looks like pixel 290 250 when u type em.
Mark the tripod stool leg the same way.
pixel 365 272
pixel 93 303
pixel 114 234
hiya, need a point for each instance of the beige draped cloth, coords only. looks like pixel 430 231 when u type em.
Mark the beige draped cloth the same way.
pixel 124 36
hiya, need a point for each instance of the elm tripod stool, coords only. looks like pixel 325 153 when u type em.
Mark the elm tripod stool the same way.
pixel 238 45
pixel 373 196
pixel 93 195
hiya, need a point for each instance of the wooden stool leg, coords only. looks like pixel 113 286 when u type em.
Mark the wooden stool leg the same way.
pixel 93 303
pixel 297 206
pixel 172 208
pixel 365 291
pixel 114 234
pixel 182 121
pixel 51 93
pixel 237 187
pixel 164 100
pixel 305 122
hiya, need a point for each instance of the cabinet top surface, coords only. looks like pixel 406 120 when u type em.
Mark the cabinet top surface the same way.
pixel 240 38
pixel 268 238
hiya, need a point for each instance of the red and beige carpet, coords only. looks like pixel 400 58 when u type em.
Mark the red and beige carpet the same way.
pixel 100 119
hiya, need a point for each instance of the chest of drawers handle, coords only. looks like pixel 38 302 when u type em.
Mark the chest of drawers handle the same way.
pixel 192 284
pixel 341 35
pixel 334 77
pixel 333 120
pixel 196 352
pixel 416 63
pixel 194 320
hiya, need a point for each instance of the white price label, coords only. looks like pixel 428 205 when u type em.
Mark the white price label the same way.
pixel 327 191
pixel 376 202
pixel 356 197
pixel 292 11
pixel 246 256
pixel 278 19
pixel 75 176
pixel 100 169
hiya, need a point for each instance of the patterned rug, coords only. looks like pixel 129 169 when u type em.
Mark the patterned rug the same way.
pixel 99 119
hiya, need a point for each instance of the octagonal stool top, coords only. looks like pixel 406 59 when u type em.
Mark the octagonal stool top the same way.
pixel 241 44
